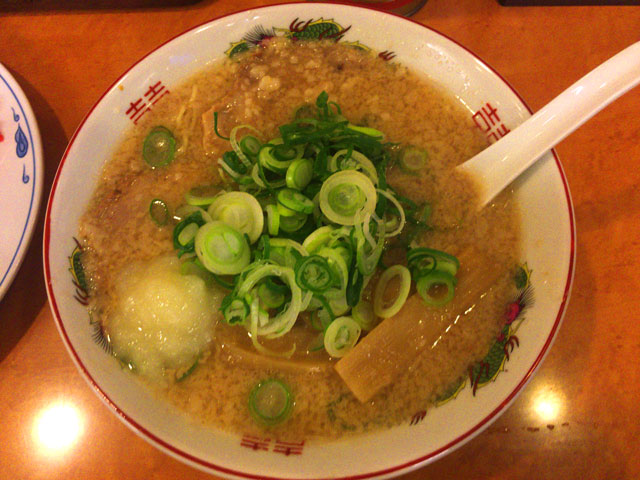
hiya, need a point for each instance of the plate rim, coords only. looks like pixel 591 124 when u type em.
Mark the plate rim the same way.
pixel 37 184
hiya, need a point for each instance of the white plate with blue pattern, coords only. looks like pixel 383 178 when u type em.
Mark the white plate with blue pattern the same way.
pixel 21 177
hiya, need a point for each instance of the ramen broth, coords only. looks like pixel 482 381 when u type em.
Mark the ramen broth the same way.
pixel 262 88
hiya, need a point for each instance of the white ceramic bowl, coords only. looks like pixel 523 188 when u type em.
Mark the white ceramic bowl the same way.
pixel 548 238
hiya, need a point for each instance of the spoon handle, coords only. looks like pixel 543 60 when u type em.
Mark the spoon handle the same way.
pixel 499 164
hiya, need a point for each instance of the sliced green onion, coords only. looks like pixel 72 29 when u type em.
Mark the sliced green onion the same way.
pixel 276 156
pixel 285 152
pixel 250 145
pixel 294 200
pixel 259 317
pixel 368 250
pixel 355 285
pixel 233 141
pixel 182 375
pixel 159 147
pixel 292 223
pixel 270 297
pixel 423 261
pixel 286 252
pixel 345 195
pixel 353 160
pixel 273 219
pixel 159 212
pixel 313 273
pixel 283 321
pixel 270 402
pixel 430 288
pixel 339 265
pixel 185 242
pixel 341 336
pixel 285 211
pixel 363 314
pixel 413 159
pixel 185 210
pixel 339 305
pixel 371 132
pixel 318 238
pixel 215 127
pixel 202 196
pixel 299 173
pixel 222 249
pixel 276 286
pixel 400 210
pixel 235 310
pixel 188 234
pixel 231 164
pixel 257 178
pixel 321 318
pixel 379 307
pixel 241 211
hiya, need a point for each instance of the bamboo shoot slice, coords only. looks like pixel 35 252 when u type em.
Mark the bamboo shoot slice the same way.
pixel 390 348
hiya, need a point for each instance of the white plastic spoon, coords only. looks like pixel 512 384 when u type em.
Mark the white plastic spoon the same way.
pixel 499 164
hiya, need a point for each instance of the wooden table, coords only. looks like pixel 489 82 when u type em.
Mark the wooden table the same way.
pixel 65 59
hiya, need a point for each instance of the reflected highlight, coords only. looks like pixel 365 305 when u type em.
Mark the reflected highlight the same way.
pixel 548 405
pixel 57 428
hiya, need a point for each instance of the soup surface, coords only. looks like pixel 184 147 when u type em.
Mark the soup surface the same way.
pixel 262 88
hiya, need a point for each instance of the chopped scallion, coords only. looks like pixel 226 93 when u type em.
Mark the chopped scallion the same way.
pixel 294 200
pixel 430 287
pixel 202 196
pixel 270 402
pixel 159 147
pixel 413 159
pixel 222 249
pixel 159 212
pixel 313 273
pixel 345 195
pixel 379 307
pixel 299 173
pixel 341 336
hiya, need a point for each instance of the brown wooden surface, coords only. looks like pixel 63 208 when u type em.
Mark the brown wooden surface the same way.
pixel 579 418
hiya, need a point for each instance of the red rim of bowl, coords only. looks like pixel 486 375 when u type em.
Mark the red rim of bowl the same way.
pixel 405 467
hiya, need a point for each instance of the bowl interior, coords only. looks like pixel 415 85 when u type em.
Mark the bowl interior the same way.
pixel 548 250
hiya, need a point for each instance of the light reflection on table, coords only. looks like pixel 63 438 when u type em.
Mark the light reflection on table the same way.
pixel 57 428
pixel 548 404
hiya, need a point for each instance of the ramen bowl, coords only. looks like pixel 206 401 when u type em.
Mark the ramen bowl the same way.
pixel 547 263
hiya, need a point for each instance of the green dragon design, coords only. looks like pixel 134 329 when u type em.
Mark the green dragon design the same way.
pixel 298 30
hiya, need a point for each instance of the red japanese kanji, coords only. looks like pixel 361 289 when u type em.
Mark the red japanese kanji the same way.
pixel 255 443
pixel 137 109
pixel 158 90
pixel 143 105
pixel 486 118
pixel 499 132
pixel 288 448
